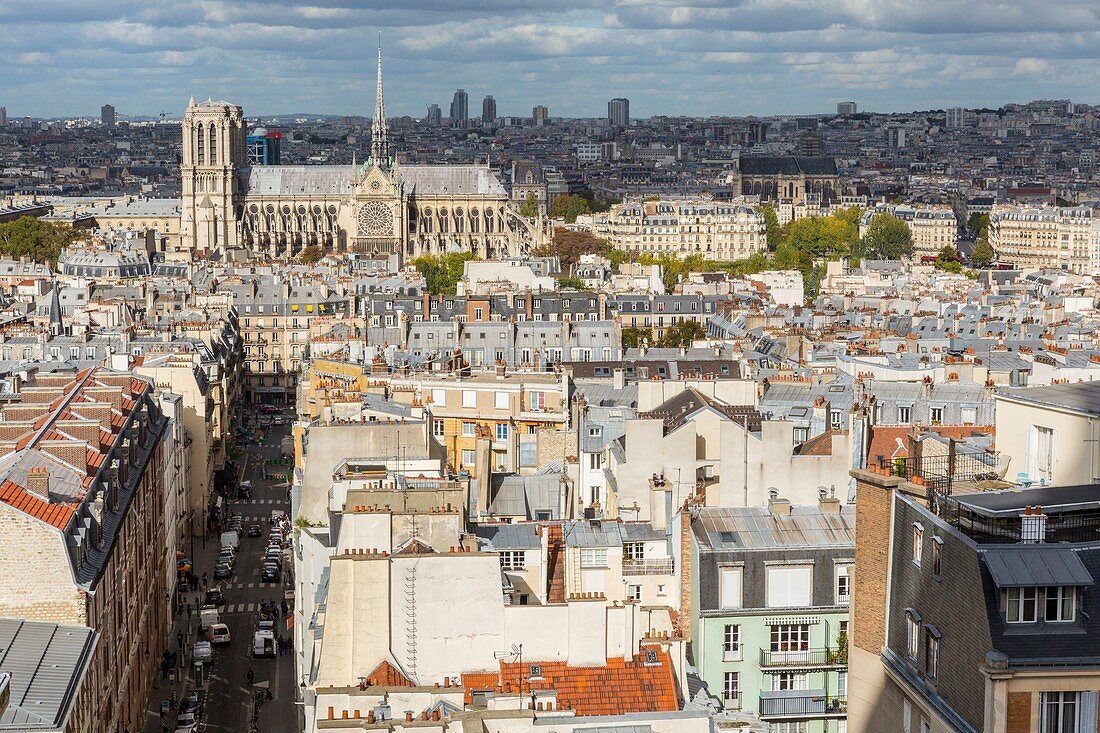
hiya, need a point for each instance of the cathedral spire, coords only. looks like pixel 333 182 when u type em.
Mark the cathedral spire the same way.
pixel 379 143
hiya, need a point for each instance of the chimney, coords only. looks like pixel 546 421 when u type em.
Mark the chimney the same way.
pixel 618 378
pixel 827 502
pixel 502 370
pixel 779 507
pixel 1033 526
pixel 38 482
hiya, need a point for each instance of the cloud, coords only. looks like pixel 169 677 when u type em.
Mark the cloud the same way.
pixel 699 57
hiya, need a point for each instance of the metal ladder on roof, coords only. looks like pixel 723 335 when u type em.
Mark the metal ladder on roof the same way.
pixel 410 617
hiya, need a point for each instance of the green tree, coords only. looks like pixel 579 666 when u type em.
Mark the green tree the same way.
pixel 571 282
pixel 569 245
pixel 569 207
pixel 983 255
pixel 977 225
pixel 682 334
pixel 632 337
pixel 311 255
pixel 617 257
pixel 530 207
pixel 822 236
pixel 42 241
pixel 442 272
pixel 948 260
pixel 888 238
pixel 771 227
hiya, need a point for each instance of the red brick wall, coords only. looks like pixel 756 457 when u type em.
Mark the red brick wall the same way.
pixel 874 497
pixel 1019 712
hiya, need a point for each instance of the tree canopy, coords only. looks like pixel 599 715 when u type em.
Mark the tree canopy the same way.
pixel 311 255
pixel 571 282
pixel 569 207
pixel 569 245
pixel 887 238
pixel 442 272
pixel 42 241
pixel 530 206
pixel 771 226
pixel 983 255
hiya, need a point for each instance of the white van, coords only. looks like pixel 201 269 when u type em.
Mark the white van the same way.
pixel 231 539
pixel 263 644
pixel 208 616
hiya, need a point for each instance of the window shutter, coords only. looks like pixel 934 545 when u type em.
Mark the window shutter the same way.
pixel 1089 701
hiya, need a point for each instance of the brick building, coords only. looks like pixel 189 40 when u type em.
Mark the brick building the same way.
pixel 81 530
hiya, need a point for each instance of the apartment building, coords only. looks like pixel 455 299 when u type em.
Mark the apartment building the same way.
pixel 82 529
pixel 716 230
pixel 656 313
pixel 932 227
pixel 1045 237
pixel 770 589
pixel 973 610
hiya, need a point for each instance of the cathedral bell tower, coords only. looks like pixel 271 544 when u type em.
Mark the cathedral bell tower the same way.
pixel 214 148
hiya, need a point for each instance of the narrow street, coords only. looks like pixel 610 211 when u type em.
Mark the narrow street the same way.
pixel 224 690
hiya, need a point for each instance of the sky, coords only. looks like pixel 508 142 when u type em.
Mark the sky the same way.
pixel 706 57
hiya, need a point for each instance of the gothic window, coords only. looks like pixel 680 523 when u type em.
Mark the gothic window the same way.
pixel 213 144
pixel 375 219
pixel 201 145
pixel 460 222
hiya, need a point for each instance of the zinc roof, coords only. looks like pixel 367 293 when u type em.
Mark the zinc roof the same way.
pixel 46 663
pixel 1015 567
pixel 756 527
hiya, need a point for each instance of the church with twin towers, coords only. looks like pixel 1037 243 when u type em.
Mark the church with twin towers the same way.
pixel 378 207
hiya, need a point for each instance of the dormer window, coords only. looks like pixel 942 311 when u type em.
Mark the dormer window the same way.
pixel 1061 604
pixel 1021 605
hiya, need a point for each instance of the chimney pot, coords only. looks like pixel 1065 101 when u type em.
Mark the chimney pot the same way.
pixel 408 717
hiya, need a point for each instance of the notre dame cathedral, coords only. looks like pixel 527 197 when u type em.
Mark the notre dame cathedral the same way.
pixel 377 207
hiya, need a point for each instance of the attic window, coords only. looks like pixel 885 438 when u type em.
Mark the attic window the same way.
pixel 651 657
pixel 727 537
pixel 534 670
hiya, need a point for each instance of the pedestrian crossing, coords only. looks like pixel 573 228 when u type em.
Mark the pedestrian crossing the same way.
pixel 259 501
pixel 243 586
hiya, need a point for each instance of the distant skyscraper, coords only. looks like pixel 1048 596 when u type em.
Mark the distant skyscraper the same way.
pixel 758 132
pixel 618 112
pixel 539 115
pixel 956 116
pixel 107 115
pixel 895 137
pixel 435 116
pixel 3 116
pixel 809 144
pixel 845 109
pixel 460 109
pixel 488 111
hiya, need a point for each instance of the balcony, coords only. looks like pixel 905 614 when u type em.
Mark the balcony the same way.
pixel 807 704
pixel 804 659
pixel 655 566
pixel 732 703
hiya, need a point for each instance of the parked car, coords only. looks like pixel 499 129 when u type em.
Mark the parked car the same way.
pixel 214 597
pixel 223 570
pixel 270 573
pixel 203 651
pixel 218 634
pixel 254 530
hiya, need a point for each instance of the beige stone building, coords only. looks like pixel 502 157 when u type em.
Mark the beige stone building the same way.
pixel 932 227
pixel 1045 237
pixel 717 230
pixel 380 206
pixel 81 530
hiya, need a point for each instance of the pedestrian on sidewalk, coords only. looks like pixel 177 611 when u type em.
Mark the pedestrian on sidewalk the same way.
pixel 251 676
pixel 204 579
pixel 189 614
pixel 285 608
pixel 179 639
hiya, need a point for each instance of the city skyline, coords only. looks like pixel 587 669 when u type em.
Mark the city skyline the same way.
pixel 698 59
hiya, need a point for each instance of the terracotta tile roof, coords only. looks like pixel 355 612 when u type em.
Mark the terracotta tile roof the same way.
pixel 616 688
pixel 387 675
pixel 884 438
pixel 57 515
pixel 819 445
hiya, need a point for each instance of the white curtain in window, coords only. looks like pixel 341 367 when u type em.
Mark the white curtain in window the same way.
pixel 789 586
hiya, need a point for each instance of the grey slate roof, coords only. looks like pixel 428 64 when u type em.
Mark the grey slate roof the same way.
pixel 508 536
pixel 1031 566
pixel 47 663
pixel 337 180
pixel 1079 397
pixel 755 527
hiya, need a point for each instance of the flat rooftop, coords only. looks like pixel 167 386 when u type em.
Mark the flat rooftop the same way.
pixel 1052 499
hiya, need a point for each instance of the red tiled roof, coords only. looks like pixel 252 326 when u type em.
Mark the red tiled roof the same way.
pixel 57 515
pixel 387 675
pixel 884 438
pixel 616 688
pixel 819 445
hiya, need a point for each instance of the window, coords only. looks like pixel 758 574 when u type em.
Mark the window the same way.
pixel 595 461
pixel 918 542
pixel 501 402
pixel 1021 605
pixel 969 415
pixel 538 401
pixel 937 556
pixel 729 582
pixel 439 396
pixel 791 726
pixel 437 428
pixel 834 418
pixel 906 716
pixel 789 586
pixel 731 689
pixel 469 429
pixel 789 642
pixel 905 413
pixel 1060 603
pixel 932 652
pixel 912 634
pixel 791 681
pixel 634 593
pixel 731 645
pixel 512 560
pixel 1041 454
pixel 936 415
pixel 594 557
pixel 801 435
pixel 633 550
pixel 595 431
pixel 469 398
pixel 1058 712
pixel 467 458
pixel 502 431
pixel 843 585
